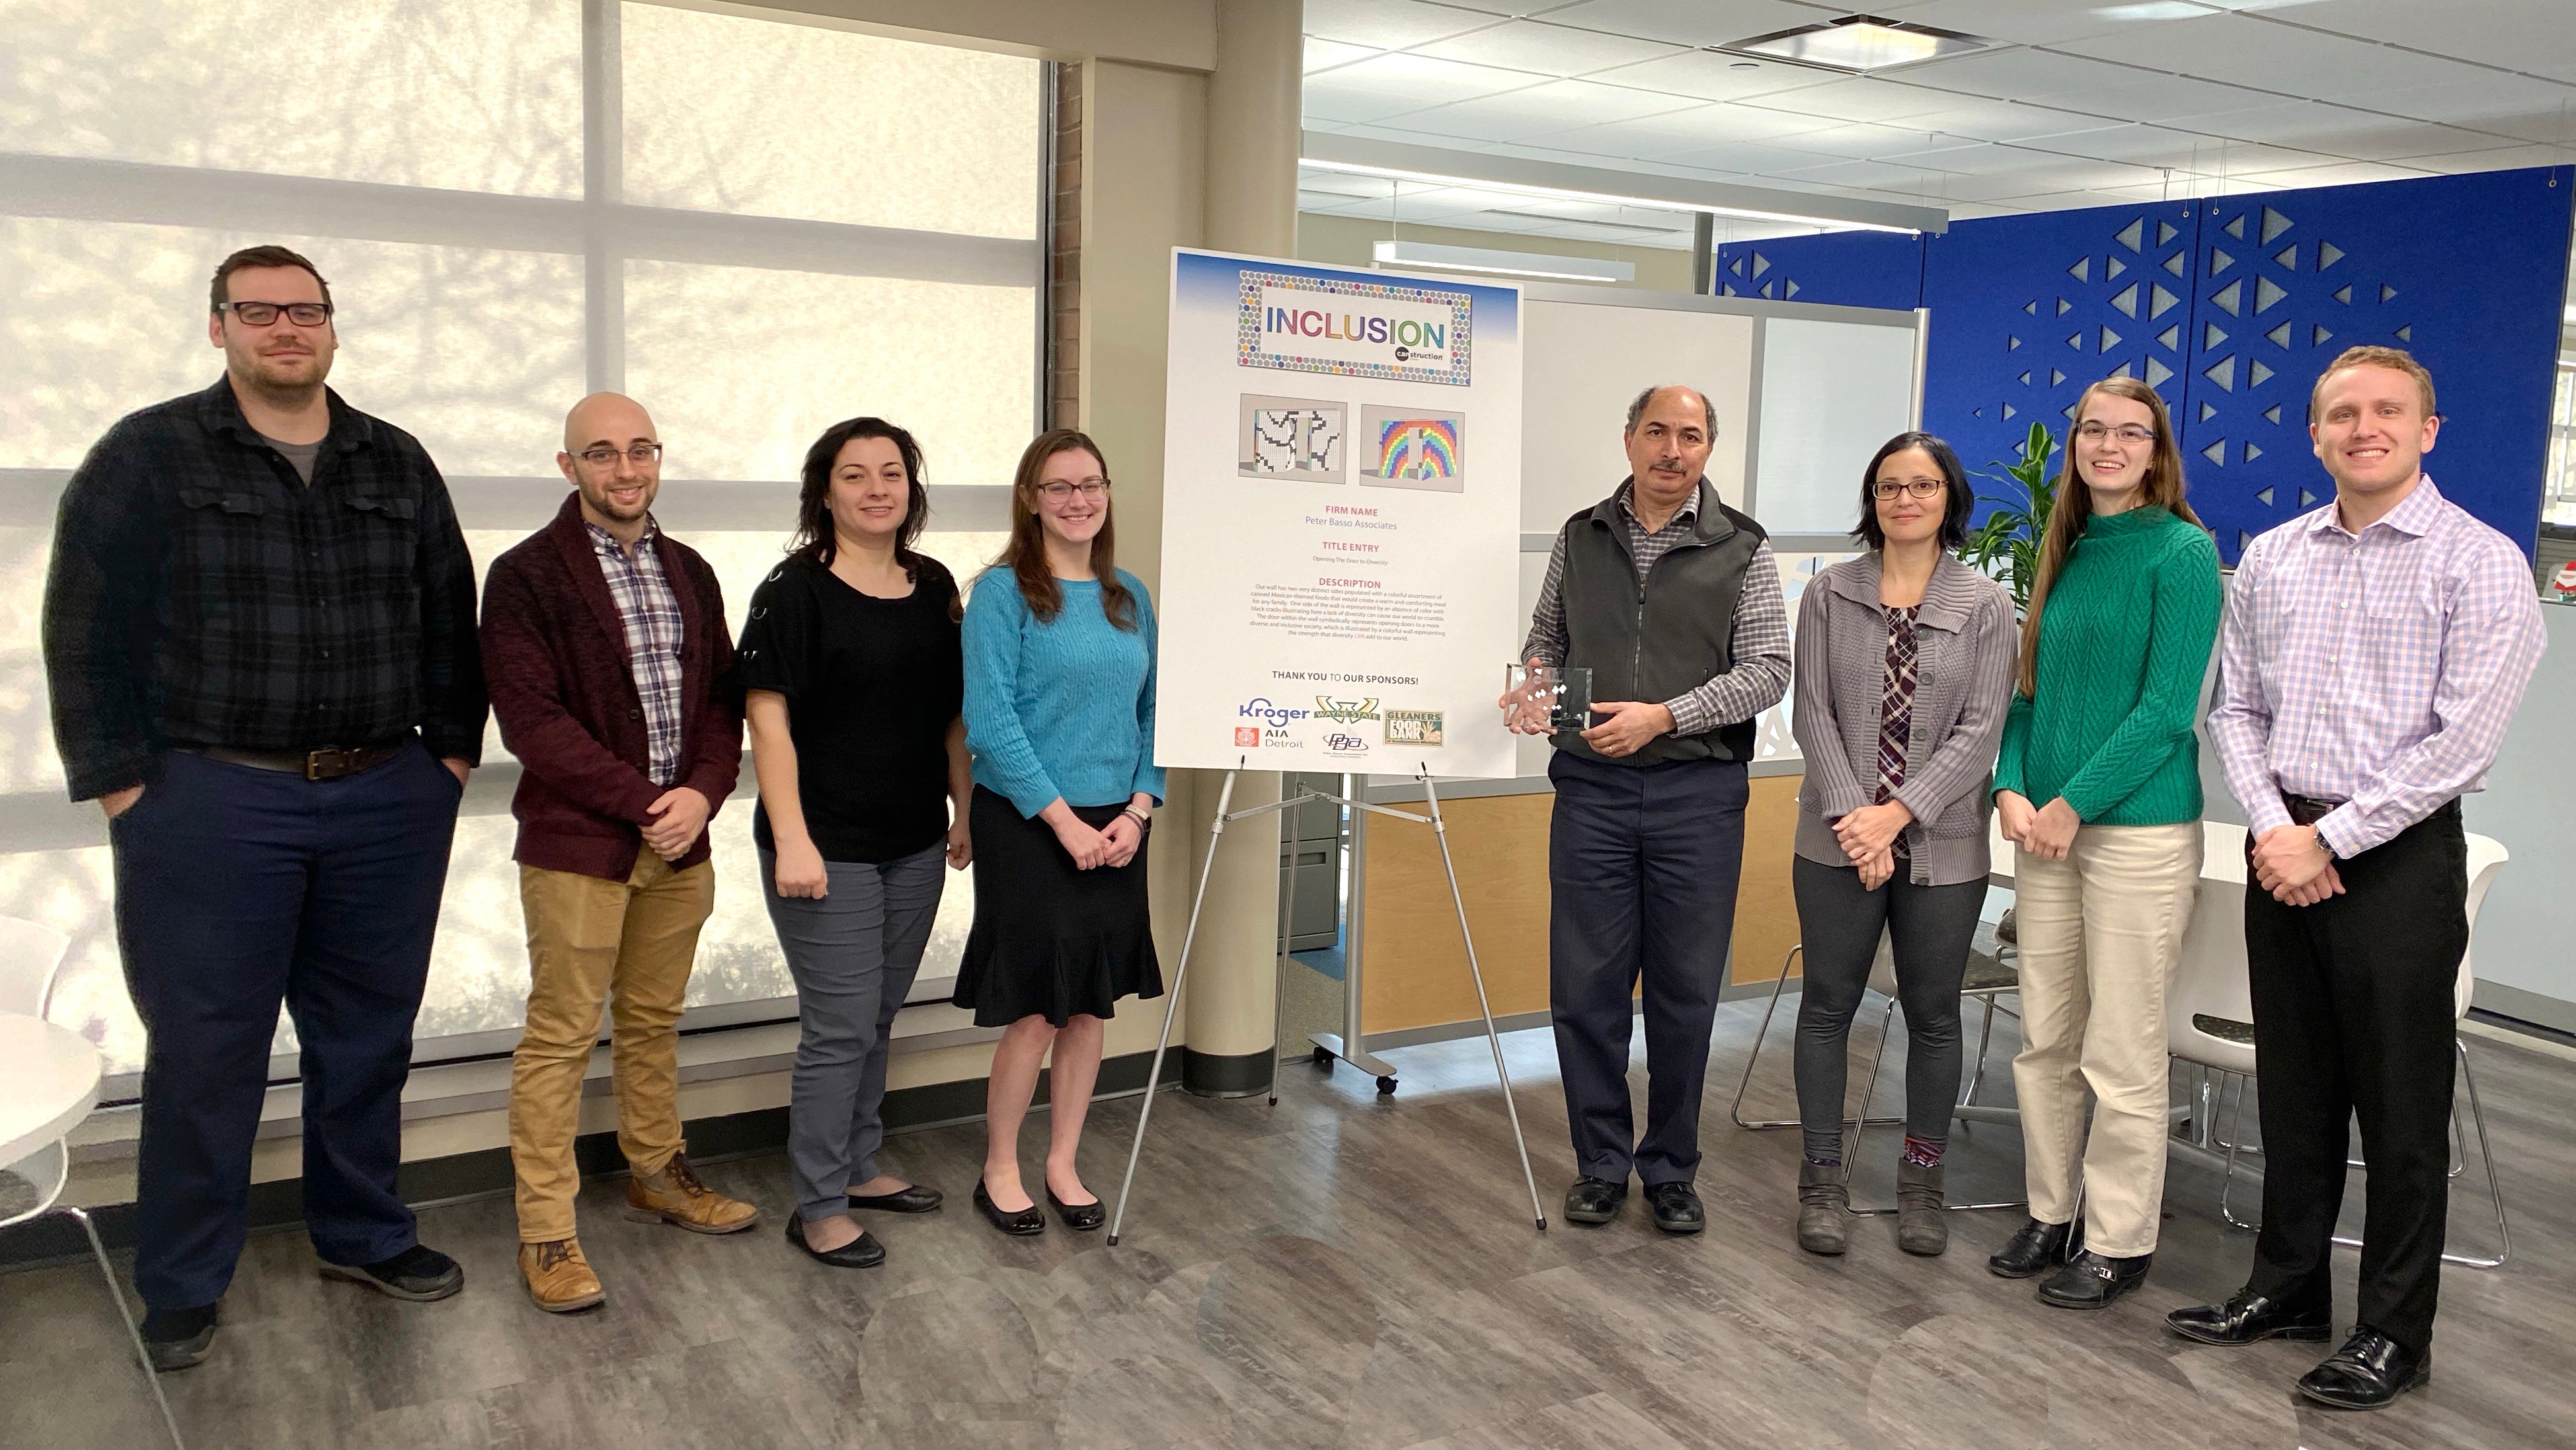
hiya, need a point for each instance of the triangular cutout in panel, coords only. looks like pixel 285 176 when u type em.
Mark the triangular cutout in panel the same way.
pixel 2075 340
pixel 2056 377
pixel 2251 453
pixel 2130 235
pixel 2406 333
pixel 2011 342
pixel 2327 255
pixel 2343 294
pixel 2008 412
pixel 2166 232
pixel 2070 411
pixel 2219 261
pixel 2223 373
pixel 2307 499
pixel 2235 228
pixel 1791 290
pixel 2273 225
pixel 2110 340
pixel 2272 414
pixel 1730 289
pixel 2279 336
pixel 2266 293
pixel 2387 293
pixel 2064 307
pixel 2121 371
pixel 2112 267
pixel 2171 338
pixel 2257 373
pixel 2211 335
pixel 2031 307
pixel 1977 412
pixel 2160 301
pixel 2288 256
pixel 1761 264
pixel 2025 380
pixel 2216 453
pixel 2265 497
pixel 2157 372
pixel 1736 267
pixel 2226 297
pixel 2320 337
pixel 2208 411
pixel 2174 263
pixel 2082 271
pixel 2244 541
pixel 1766 289
pixel 2127 300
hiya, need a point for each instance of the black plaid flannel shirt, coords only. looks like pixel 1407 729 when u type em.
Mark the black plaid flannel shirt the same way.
pixel 201 594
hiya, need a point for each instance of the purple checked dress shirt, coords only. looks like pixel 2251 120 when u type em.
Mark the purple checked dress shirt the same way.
pixel 2376 669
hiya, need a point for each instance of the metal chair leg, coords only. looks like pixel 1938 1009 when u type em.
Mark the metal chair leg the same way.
pixel 1985 1038
pixel 1851 1151
pixel 2495 1189
pixel 133 1334
pixel 1735 1110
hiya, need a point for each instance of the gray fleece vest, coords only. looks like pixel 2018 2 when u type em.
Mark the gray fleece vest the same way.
pixel 1663 637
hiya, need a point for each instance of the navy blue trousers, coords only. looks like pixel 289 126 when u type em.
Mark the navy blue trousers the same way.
pixel 238 890
pixel 1642 865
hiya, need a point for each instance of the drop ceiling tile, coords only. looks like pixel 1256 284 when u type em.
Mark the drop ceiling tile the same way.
pixel 2021 22
pixel 2516 34
pixel 1856 142
pixel 1330 105
pixel 1865 98
pixel 2289 59
pixel 1754 159
pixel 1324 54
pixel 2133 141
pixel 1984 120
pixel 1913 181
pixel 2342 131
pixel 1390 24
pixel 1714 77
pixel 1699 22
pixel 2503 158
pixel 2341 173
pixel 2078 83
pixel 2515 106
pixel 1424 81
pixel 1983 158
pixel 1543 110
pixel 1560 50
pixel 1706 124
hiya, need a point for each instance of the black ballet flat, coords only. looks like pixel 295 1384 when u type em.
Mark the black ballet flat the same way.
pixel 914 1199
pixel 1080 1217
pixel 863 1252
pixel 1030 1220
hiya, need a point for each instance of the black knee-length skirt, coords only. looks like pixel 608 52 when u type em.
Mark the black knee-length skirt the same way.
pixel 1049 940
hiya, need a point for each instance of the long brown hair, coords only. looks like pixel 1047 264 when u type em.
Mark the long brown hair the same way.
pixel 1025 555
pixel 2163 489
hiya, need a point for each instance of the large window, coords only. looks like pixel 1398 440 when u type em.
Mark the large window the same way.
pixel 755 226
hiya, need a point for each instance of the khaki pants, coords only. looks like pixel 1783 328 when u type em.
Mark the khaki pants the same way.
pixel 2100 934
pixel 631 944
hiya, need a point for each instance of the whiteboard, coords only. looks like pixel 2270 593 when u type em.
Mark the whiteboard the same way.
pixel 1832 394
pixel 1582 362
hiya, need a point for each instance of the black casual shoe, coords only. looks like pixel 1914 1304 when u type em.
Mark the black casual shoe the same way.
pixel 913 1198
pixel 1080 1217
pixel 1677 1208
pixel 863 1252
pixel 178 1338
pixel 2037 1248
pixel 1030 1220
pixel 418 1274
pixel 2250 1318
pixel 2095 1281
pixel 2369 1371
pixel 1594 1200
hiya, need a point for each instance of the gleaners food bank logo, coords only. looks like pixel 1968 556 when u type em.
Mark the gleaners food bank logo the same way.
pixel 1297 323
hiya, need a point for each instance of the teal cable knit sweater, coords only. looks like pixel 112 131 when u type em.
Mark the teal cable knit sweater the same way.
pixel 1064 708
pixel 2123 647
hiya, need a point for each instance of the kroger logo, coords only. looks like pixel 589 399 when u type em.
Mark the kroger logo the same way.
pixel 1345 712
pixel 1274 716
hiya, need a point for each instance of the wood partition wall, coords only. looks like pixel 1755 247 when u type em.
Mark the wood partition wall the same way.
pixel 1413 972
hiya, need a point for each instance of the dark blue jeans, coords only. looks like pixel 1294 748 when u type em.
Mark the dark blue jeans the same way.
pixel 238 890
pixel 1642 864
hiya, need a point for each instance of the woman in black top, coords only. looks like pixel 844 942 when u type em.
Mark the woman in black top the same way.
pixel 850 661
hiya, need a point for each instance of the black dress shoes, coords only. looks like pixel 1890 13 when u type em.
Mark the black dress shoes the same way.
pixel 2250 1318
pixel 178 1338
pixel 1677 1208
pixel 1594 1200
pixel 863 1252
pixel 912 1198
pixel 2369 1371
pixel 1080 1217
pixel 1030 1220
pixel 2037 1248
pixel 418 1275
pixel 2095 1281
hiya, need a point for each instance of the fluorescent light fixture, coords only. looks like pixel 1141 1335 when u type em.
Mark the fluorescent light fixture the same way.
pixel 1858 43
pixel 1508 264
pixel 1438 178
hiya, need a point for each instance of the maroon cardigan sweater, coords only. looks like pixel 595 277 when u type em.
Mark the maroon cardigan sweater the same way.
pixel 554 656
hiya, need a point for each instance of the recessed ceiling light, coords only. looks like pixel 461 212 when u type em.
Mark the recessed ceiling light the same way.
pixel 1859 43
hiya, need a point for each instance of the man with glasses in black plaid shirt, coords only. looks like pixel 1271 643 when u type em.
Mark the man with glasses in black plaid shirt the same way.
pixel 259 639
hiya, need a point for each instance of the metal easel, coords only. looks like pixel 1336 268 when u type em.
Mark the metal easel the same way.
pixel 1347 1047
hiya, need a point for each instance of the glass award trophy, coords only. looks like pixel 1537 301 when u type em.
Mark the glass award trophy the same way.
pixel 1544 699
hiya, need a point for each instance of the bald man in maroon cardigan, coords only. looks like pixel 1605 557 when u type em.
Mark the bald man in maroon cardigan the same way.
pixel 611 673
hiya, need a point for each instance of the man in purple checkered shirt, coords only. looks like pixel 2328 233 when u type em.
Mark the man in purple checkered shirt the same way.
pixel 2372 657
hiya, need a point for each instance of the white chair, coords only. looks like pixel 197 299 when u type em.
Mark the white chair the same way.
pixel 49 1083
pixel 2210 1014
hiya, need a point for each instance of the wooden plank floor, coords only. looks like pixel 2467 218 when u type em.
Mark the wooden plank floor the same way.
pixel 1339 1271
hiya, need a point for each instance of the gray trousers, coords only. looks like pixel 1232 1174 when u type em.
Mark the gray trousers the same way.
pixel 1931 929
pixel 853 955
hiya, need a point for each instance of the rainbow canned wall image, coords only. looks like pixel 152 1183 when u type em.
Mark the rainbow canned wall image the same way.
pixel 1417 448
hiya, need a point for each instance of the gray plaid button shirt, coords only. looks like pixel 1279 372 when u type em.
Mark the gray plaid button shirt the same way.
pixel 653 628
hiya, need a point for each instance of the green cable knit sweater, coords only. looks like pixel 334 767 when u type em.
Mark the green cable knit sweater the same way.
pixel 2123 647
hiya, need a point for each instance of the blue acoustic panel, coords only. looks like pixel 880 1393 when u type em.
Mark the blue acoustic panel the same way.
pixel 2468 273
pixel 1846 269
pixel 2028 311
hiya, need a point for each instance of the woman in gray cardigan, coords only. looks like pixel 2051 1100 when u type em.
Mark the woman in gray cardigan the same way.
pixel 1904 671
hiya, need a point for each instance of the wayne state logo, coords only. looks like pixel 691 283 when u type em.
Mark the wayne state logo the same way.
pixel 1344 712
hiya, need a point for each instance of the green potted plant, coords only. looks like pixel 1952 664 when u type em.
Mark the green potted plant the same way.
pixel 2006 545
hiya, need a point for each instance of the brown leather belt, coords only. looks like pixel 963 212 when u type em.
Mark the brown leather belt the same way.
pixel 328 764
pixel 2307 810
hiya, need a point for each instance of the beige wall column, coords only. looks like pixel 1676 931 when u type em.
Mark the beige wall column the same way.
pixel 1253 109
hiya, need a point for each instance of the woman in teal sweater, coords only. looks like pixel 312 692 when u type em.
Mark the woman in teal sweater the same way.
pixel 2099 787
pixel 1060 720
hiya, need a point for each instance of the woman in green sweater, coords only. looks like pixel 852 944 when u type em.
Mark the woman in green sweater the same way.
pixel 2099 787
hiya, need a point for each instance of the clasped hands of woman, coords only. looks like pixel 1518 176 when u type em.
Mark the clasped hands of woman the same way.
pixel 2047 831
pixel 1112 845
pixel 1868 838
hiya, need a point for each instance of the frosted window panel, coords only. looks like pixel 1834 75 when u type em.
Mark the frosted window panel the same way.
pixel 738 115
pixel 476 352
pixel 27 759
pixel 470 97
pixel 1832 392
pixel 744 367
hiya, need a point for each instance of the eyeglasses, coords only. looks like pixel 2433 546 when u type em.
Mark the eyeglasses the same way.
pixel 1092 489
pixel 1919 487
pixel 2129 434
pixel 261 314
pixel 642 455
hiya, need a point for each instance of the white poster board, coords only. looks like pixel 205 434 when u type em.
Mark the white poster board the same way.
pixel 1341 504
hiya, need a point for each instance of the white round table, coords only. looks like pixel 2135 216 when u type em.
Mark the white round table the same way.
pixel 48 1083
